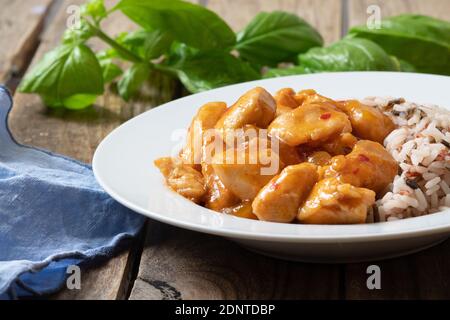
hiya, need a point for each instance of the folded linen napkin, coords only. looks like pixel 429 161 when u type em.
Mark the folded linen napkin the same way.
pixel 53 214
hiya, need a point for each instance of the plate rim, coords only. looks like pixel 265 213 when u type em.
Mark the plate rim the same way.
pixel 248 234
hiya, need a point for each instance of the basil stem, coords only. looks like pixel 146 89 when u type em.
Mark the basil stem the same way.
pixel 124 52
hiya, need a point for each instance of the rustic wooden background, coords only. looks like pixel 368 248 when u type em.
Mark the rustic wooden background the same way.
pixel 167 262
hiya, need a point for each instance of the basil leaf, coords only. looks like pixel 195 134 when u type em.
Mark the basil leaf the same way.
pixel 207 70
pixel 73 36
pixel 65 72
pixel 403 65
pixel 422 41
pixel 96 9
pixel 180 51
pixel 75 102
pixel 79 101
pixel 110 70
pixel 276 37
pixel 406 66
pixel 189 23
pixel 281 72
pixel 348 55
pixel 148 45
pixel 132 80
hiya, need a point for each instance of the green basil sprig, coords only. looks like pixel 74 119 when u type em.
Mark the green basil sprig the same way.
pixel 348 55
pixel 191 24
pixel 276 37
pixel 68 76
pixel 195 45
pixel 421 41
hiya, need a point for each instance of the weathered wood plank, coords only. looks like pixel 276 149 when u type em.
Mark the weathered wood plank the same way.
pixel 423 275
pixel 325 15
pixel 180 264
pixel 77 134
pixel 21 22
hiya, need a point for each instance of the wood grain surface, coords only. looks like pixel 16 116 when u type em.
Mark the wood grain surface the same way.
pixel 21 22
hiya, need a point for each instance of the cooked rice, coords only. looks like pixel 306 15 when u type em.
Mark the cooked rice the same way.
pixel 421 145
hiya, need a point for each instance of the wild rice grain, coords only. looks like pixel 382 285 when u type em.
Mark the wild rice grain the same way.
pixel 420 145
pixel 412 183
pixel 445 143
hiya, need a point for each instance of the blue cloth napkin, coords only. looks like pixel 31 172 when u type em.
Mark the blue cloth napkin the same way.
pixel 52 214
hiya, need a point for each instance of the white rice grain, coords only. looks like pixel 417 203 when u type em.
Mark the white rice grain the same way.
pixel 423 187
pixel 430 184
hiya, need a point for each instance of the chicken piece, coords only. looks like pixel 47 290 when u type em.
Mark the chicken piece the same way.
pixel 368 122
pixel 319 158
pixel 206 118
pixel 343 144
pixel 310 96
pixel 288 155
pixel 182 178
pixel 218 197
pixel 256 107
pixel 310 123
pixel 246 169
pixel 285 100
pixel 281 109
pixel 334 202
pixel 280 199
pixel 242 210
pixel 369 165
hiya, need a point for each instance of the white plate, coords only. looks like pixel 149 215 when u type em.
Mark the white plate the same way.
pixel 123 165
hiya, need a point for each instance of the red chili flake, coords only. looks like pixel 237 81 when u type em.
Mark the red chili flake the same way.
pixel 411 174
pixel 274 186
pixel 325 116
pixel 363 158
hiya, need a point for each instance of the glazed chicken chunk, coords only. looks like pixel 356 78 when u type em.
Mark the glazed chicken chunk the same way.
pixel 334 202
pixel 285 100
pixel 311 123
pixel 292 157
pixel 280 199
pixel 242 210
pixel 368 123
pixel 245 171
pixel 343 144
pixel 256 107
pixel 182 178
pixel 369 165
pixel 217 197
pixel 206 118
pixel 319 158
pixel 310 96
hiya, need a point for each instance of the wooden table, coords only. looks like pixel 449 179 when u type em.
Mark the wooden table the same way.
pixel 170 263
